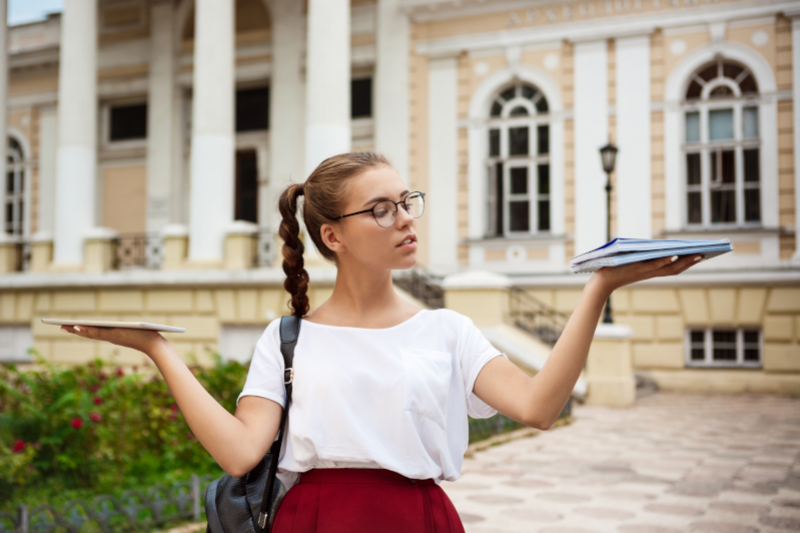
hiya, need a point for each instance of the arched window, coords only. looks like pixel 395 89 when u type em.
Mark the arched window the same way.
pixel 518 162
pixel 15 188
pixel 721 146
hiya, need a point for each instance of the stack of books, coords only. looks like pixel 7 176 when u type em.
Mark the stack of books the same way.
pixel 623 251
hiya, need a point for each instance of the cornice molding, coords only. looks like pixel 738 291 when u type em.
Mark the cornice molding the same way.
pixel 601 29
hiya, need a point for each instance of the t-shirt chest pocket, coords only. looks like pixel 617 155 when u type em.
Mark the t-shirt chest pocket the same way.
pixel 427 383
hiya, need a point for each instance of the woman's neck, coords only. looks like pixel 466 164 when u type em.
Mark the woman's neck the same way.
pixel 364 299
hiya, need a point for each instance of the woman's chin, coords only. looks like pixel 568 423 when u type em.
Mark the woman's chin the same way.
pixel 407 263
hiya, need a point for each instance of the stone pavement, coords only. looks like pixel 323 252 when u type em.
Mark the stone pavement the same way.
pixel 672 463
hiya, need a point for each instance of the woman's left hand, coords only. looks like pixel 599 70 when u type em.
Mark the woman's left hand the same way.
pixel 612 278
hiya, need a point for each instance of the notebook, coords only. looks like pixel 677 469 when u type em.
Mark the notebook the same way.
pixel 622 251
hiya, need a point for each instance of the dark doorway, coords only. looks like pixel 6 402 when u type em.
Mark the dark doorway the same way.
pixel 247 186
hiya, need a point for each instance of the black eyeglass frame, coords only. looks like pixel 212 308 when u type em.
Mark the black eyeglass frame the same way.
pixel 372 209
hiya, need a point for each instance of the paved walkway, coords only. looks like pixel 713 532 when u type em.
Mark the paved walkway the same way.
pixel 672 463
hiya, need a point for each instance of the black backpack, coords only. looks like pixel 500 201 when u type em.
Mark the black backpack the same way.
pixel 248 504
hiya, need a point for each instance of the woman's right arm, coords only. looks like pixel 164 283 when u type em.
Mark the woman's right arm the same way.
pixel 236 442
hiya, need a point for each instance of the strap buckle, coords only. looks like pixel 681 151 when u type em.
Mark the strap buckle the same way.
pixel 262 520
pixel 288 376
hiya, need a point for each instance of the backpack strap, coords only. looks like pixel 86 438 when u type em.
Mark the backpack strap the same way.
pixel 290 331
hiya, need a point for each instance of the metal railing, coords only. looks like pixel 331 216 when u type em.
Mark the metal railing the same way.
pixel 23 256
pixel 265 251
pixel 132 511
pixel 534 316
pixel 138 250
pixel 422 284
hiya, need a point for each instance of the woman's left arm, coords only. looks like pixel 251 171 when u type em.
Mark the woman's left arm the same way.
pixel 538 401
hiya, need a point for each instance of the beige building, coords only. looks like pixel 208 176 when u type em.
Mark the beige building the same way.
pixel 148 139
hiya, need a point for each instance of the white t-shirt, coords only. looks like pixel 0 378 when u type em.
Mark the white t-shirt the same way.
pixel 394 398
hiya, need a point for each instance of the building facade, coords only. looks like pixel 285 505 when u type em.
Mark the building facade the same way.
pixel 148 140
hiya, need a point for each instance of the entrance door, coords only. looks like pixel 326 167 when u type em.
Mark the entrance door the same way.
pixel 246 186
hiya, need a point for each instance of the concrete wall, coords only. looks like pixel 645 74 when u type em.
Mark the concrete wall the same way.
pixel 660 318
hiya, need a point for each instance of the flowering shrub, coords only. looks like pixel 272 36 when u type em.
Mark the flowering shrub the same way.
pixel 92 426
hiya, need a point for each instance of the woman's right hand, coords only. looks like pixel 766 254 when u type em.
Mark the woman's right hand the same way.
pixel 144 340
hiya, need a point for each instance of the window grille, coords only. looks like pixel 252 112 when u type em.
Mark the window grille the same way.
pixel 518 163
pixel 724 347
pixel 721 147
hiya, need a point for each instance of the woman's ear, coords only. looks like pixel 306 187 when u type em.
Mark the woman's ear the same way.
pixel 330 238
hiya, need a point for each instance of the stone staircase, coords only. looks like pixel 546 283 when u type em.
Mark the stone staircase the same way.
pixel 525 312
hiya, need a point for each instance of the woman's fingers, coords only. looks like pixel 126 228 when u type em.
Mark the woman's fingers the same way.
pixel 137 339
pixel 682 264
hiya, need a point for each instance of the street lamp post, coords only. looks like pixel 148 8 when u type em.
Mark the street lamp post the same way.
pixel 608 154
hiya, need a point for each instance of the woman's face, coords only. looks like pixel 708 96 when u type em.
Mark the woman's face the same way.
pixel 359 239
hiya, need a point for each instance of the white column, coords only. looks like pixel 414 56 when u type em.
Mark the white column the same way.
pixel 211 200
pixel 442 207
pixel 4 90
pixel 591 133
pixel 327 81
pixel 160 132
pixel 76 164
pixel 391 85
pixel 287 105
pixel 796 102
pixel 48 139
pixel 634 199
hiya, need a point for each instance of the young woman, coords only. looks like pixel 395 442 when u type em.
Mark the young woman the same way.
pixel 382 388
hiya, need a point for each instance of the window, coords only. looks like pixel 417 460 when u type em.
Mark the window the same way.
pixel 724 347
pixel 15 341
pixel 361 98
pixel 518 163
pixel 15 189
pixel 128 122
pixel 246 201
pixel 252 109
pixel 721 147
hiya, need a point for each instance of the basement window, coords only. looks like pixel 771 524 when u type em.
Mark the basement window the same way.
pixel 724 347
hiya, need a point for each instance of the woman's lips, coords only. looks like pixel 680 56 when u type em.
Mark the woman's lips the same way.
pixel 408 246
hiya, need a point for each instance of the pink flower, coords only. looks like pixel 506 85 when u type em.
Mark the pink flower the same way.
pixel 77 423
pixel 174 407
pixel 120 372
pixel 103 376
pixel 18 447
pixel 96 417
pixel 98 400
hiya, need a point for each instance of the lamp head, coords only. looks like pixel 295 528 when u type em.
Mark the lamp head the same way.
pixel 609 155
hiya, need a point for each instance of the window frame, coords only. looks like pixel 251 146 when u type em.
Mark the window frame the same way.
pixel 708 346
pixel 704 105
pixel 504 124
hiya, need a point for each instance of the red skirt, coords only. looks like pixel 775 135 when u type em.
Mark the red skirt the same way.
pixel 364 500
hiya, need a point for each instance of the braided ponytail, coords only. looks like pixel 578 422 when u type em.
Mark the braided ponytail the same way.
pixel 296 282
pixel 324 195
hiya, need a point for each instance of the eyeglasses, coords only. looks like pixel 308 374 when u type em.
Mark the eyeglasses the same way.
pixel 385 212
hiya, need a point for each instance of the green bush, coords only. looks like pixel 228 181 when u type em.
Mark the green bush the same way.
pixel 95 426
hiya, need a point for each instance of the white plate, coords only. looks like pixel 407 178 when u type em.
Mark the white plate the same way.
pixel 111 324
